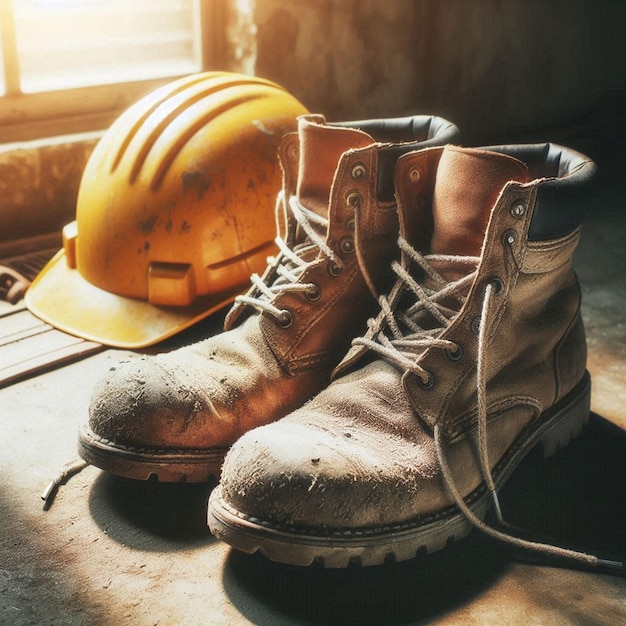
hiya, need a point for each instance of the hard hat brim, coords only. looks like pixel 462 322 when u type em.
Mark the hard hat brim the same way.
pixel 61 297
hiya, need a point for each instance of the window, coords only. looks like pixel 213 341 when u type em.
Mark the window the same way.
pixel 72 65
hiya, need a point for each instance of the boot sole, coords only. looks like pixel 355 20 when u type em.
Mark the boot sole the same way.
pixel 373 546
pixel 168 466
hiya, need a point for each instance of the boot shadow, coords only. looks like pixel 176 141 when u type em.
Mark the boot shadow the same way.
pixel 151 516
pixel 576 496
pixel 271 594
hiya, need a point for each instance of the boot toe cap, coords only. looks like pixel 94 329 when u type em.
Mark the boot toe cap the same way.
pixel 139 403
pixel 296 476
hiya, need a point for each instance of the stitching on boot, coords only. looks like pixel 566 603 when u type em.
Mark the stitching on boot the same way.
pixel 199 452
pixel 459 425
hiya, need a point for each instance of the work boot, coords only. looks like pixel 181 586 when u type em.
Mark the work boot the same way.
pixel 477 355
pixel 172 417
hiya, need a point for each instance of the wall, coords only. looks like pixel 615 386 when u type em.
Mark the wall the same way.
pixel 501 69
pixel 38 188
pixel 496 67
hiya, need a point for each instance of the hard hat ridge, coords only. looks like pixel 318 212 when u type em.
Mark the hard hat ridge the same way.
pixel 175 210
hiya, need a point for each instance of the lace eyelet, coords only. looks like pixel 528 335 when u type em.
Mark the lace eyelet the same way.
pixel 293 152
pixel 415 175
pixel 475 325
pixel 334 269
pixel 456 354
pixel 518 209
pixel 358 171
pixel 347 245
pixel 285 319
pixel 509 237
pixel 428 383
pixel 313 293
pixel 497 284
pixel 354 199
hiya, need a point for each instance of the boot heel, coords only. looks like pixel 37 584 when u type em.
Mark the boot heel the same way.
pixel 569 421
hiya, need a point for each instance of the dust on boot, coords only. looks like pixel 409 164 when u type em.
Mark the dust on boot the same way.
pixel 478 355
pixel 173 416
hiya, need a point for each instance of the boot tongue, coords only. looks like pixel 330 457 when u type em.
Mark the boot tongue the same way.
pixel 467 186
pixel 321 147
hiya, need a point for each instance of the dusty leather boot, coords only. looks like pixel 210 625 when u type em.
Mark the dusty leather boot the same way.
pixel 477 355
pixel 172 417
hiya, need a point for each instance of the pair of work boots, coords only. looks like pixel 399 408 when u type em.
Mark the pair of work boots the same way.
pixel 418 333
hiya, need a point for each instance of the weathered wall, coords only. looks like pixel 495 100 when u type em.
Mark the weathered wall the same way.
pixel 42 179
pixel 501 69
pixel 496 67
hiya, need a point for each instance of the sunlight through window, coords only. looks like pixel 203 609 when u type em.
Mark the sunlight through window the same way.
pixel 64 44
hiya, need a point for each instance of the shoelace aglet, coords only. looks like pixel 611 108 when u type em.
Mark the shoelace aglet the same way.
pixel 496 505
pixel 612 565
pixel 47 495
pixel 47 492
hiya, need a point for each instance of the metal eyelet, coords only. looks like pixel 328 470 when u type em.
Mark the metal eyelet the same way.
pixel 354 199
pixel 351 226
pixel 313 293
pixel 285 319
pixel 358 171
pixel 518 210
pixel 475 325
pixel 509 237
pixel 415 175
pixel 456 354
pixel 334 269
pixel 428 383
pixel 293 152
pixel 347 245
pixel 497 284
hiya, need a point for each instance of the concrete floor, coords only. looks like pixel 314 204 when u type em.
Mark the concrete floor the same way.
pixel 113 551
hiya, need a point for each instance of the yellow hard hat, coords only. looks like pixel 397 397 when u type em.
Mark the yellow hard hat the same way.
pixel 175 211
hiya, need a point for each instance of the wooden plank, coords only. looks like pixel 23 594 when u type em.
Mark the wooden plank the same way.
pixel 29 347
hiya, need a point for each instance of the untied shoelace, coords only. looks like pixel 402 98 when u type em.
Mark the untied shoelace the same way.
pixel 288 267
pixel 397 337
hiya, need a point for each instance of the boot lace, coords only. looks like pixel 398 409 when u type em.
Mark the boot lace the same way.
pixel 290 263
pixel 399 336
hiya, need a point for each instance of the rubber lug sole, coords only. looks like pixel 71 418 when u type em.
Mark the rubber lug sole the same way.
pixel 167 466
pixel 554 429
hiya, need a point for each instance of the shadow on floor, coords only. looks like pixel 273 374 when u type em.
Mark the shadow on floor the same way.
pixel 576 496
pixel 151 516
pixel 387 594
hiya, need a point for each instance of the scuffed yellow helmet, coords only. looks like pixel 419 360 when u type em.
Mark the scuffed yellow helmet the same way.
pixel 175 211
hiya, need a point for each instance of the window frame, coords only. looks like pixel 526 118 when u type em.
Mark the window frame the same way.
pixel 30 116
